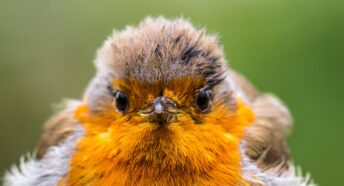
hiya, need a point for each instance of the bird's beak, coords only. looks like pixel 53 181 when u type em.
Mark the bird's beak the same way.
pixel 162 110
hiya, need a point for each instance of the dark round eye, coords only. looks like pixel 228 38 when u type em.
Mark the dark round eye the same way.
pixel 122 101
pixel 203 101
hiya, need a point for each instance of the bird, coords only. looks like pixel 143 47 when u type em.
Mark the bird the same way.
pixel 164 108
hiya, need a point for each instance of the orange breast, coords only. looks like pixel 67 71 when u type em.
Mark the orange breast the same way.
pixel 119 152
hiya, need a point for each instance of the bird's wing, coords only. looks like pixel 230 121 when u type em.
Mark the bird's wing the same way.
pixel 57 128
pixel 266 137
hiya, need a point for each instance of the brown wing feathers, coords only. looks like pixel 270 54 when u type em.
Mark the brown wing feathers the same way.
pixel 266 137
pixel 56 129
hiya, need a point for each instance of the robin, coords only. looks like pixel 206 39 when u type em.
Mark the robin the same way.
pixel 164 109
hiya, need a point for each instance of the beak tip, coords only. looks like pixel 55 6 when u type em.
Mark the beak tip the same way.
pixel 158 108
pixel 161 110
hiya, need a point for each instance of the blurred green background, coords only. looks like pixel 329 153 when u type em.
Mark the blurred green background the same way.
pixel 292 48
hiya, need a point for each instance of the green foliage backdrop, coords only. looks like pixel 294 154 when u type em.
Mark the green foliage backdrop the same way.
pixel 292 48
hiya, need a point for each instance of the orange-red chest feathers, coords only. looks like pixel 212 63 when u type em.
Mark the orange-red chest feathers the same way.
pixel 135 152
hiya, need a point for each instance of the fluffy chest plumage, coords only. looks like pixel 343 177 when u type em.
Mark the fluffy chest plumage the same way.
pixel 54 169
pixel 123 153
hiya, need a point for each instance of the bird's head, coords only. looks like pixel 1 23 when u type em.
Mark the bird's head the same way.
pixel 161 97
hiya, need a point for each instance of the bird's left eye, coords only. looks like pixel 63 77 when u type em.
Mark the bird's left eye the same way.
pixel 203 101
pixel 122 101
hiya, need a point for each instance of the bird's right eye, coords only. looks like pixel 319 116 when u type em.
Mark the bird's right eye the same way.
pixel 122 101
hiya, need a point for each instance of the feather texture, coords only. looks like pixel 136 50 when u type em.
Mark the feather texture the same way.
pixel 239 140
